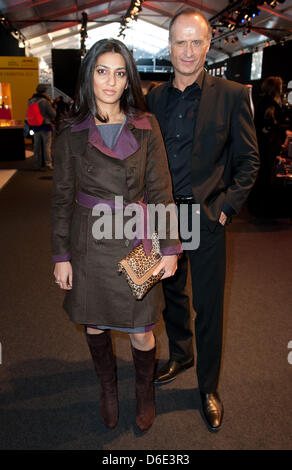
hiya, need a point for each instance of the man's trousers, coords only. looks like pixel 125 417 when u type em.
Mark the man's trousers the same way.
pixel 207 267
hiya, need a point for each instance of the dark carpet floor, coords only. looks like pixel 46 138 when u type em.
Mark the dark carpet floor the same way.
pixel 48 389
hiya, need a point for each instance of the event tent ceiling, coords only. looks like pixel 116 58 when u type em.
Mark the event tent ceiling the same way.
pixel 47 24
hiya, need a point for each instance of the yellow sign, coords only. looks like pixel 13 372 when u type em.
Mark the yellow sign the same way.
pixel 22 73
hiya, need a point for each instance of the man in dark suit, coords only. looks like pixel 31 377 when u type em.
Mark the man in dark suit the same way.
pixel 212 150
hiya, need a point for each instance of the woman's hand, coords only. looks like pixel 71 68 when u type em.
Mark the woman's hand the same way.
pixel 63 274
pixel 168 264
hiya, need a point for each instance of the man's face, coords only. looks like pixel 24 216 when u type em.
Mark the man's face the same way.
pixel 189 45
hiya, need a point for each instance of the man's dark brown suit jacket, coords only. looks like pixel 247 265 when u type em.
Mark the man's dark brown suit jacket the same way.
pixel 224 159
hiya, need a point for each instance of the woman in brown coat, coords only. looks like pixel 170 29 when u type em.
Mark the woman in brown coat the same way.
pixel 109 148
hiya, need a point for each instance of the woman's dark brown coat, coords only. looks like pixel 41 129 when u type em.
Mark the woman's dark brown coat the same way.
pixel 137 166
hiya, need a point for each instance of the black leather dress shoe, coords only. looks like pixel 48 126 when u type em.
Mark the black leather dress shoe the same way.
pixel 212 410
pixel 170 370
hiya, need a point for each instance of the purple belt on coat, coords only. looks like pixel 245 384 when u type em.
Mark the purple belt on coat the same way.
pixel 90 202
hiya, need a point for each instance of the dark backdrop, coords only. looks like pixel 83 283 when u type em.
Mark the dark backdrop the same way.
pixel 9 45
pixel 276 61
pixel 66 64
pixel 239 68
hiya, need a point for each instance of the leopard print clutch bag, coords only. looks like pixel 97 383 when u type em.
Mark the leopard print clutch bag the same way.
pixel 138 268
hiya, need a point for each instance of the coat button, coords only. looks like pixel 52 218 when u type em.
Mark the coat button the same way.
pixel 127 242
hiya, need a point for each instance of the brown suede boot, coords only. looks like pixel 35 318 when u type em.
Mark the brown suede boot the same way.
pixel 101 350
pixel 144 362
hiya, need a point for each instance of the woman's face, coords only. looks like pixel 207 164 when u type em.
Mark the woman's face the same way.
pixel 109 79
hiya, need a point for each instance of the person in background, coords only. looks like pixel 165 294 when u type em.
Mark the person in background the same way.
pixel 271 125
pixel 212 151
pixel 43 134
pixel 148 86
pixel 270 118
pixel 62 108
pixel 151 86
pixel 110 147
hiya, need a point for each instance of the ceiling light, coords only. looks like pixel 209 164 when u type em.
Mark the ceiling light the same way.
pixel 131 14
pixel 21 43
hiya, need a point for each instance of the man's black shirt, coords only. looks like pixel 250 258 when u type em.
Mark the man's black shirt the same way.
pixel 182 112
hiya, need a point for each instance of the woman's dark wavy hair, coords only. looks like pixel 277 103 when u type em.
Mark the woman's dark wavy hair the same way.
pixel 132 101
pixel 272 86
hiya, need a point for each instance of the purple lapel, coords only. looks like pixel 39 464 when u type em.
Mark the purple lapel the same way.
pixel 82 125
pixel 126 144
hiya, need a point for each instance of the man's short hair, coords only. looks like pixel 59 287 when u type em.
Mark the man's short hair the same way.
pixel 190 11
pixel 41 88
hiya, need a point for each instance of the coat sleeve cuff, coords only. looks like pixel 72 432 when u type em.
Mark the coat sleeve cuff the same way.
pixel 227 209
pixel 172 250
pixel 62 258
